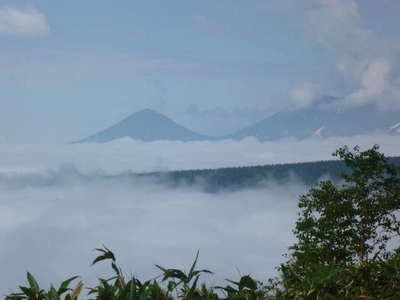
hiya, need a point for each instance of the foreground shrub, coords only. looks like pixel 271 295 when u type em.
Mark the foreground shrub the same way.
pixel 171 284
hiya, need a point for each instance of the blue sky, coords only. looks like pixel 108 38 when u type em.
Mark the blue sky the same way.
pixel 69 68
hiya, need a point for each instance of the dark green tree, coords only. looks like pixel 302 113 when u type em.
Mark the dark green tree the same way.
pixel 347 234
pixel 353 222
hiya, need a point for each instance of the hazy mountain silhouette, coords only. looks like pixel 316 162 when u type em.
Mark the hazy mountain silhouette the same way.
pixel 320 121
pixel 146 125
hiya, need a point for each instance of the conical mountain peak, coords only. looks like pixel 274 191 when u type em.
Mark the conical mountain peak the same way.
pixel 147 111
pixel 147 125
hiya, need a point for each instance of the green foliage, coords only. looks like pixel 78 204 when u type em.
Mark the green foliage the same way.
pixel 34 292
pixel 188 281
pixel 174 284
pixel 350 223
pixel 343 234
pixel 245 289
pixel 375 280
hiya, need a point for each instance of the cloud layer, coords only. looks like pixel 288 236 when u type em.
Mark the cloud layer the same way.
pixel 22 21
pixel 52 218
pixel 131 155
pixel 52 230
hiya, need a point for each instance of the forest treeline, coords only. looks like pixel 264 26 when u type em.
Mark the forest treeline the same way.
pixel 235 178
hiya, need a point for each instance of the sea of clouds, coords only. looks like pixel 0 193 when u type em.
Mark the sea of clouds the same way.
pixel 51 230
pixel 130 155
pixel 52 217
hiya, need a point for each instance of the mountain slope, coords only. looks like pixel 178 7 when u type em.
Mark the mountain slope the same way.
pixel 146 125
pixel 319 121
pixel 323 122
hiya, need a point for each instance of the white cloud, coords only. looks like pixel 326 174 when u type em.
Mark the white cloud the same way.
pixel 52 230
pixel 338 24
pixel 366 64
pixel 374 82
pixel 51 220
pixel 339 27
pixel 131 155
pixel 364 61
pixel 22 21
pixel 304 95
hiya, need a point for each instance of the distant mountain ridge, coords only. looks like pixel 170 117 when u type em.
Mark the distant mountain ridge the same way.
pixel 323 122
pixel 318 121
pixel 146 125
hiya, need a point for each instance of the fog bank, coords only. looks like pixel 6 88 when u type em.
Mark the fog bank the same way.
pixel 131 155
pixel 59 202
pixel 51 230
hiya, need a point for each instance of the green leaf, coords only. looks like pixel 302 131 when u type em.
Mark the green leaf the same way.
pixel 193 287
pixel 52 294
pixel 115 268
pixel 30 293
pixel 247 282
pixel 32 282
pixel 64 285
pixel 107 254
pixel 173 273
pixel 193 265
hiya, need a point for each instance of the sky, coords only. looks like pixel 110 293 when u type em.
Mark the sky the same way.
pixel 71 68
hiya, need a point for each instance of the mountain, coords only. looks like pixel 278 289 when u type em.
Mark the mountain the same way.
pixel 146 125
pixel 323 121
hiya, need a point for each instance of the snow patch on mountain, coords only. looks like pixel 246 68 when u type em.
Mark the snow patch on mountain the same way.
pixel 395 128
pixel 318 132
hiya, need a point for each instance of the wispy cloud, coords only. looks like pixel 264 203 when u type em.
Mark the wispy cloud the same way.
pixel 367 64
pixel 364 61
pixel 374 81
pixel 25 21
pixel 304 95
